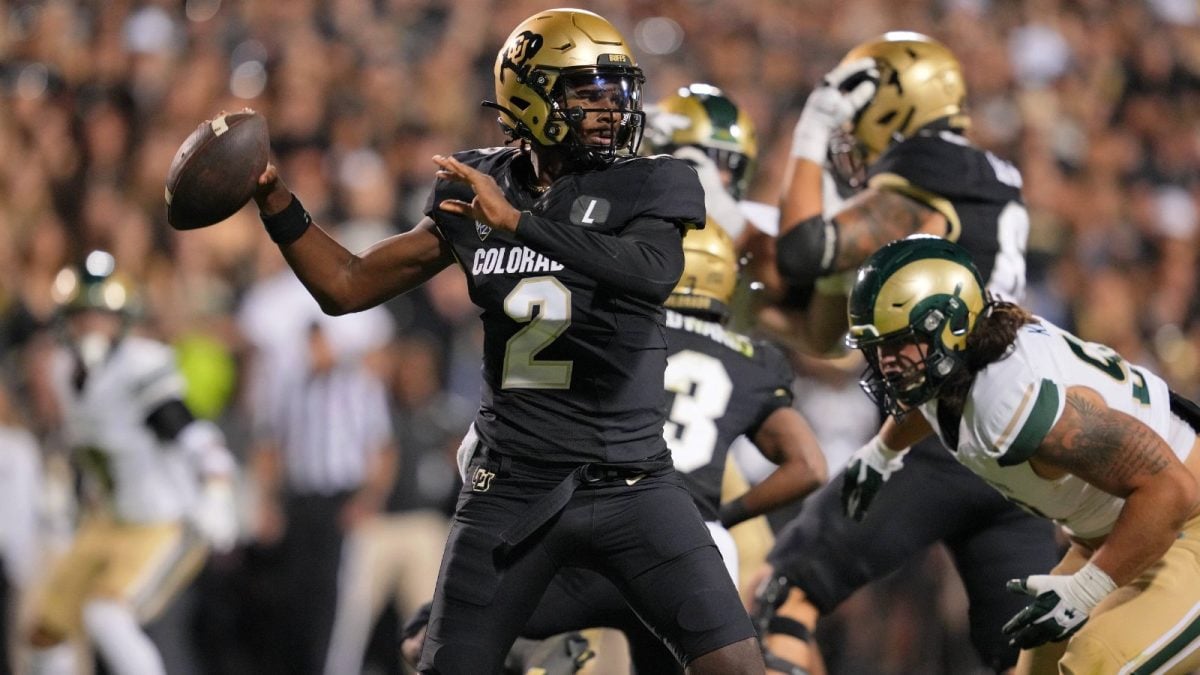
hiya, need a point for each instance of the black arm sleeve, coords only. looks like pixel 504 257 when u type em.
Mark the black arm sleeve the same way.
pixel 807 251
pixel 645 260
pixel 168 419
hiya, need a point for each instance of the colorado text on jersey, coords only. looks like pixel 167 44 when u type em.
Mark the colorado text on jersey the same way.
pixel 511 260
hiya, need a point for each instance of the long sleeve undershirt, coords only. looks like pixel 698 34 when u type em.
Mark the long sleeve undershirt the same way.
pixel 645 260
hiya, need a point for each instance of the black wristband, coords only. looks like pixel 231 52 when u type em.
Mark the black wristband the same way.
pixel 734 512
pixel 287 225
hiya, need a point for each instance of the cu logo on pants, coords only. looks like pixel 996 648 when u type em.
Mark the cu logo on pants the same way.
pixel 482 480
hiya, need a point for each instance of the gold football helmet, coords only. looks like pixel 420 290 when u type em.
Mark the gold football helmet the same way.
pixel 920 82
pixel 923 290
pixel 701 115
pixel 709 273
pixel 570 54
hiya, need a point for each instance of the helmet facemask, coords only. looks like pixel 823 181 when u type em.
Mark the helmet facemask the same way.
pixel 908 367
pixel 848 159
pixel 602 112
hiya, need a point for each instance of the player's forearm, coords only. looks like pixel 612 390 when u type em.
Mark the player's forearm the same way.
pixel 824 324
pixel 789 483
pixel 903 434
pixel 645 261
pixel 1149 523
pixel 343 282
pixel 802 199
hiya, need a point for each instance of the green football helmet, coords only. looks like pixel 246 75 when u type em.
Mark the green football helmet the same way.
pixel 700 115
pixel 80 292
pixel 95 284
pixel 922 291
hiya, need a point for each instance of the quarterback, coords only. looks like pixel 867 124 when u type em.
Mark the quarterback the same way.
pixel 582 244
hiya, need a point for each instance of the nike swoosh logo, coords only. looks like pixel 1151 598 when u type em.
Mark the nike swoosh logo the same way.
pixel 635 479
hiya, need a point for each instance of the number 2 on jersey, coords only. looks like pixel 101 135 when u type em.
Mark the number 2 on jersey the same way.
pixel 545 304
pixel 702 389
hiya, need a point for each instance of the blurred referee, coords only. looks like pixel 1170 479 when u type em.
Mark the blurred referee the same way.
pixel 324 461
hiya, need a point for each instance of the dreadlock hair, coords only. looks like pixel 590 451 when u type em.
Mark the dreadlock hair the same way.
pixel 990 341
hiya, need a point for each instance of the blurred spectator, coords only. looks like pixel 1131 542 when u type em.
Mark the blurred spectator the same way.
pixel 323 465
pixel 20 548
pixel 391 558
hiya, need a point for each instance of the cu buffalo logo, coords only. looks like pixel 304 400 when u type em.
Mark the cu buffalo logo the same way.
pixel 523 48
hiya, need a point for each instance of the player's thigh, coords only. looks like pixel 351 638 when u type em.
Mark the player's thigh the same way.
pixel 576 599
pixel 829 555
pixel 482 599
pixel 658 550
pixel 1007 543
pixel 1150 625
pixel 148 565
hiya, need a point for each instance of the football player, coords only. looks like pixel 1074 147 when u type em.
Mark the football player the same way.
pixel 158 487
pixel 721 385
pixel 890 120
pixel 570 243
pixel 1065 428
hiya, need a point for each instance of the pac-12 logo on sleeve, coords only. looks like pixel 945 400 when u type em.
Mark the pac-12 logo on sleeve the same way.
pixel 590 211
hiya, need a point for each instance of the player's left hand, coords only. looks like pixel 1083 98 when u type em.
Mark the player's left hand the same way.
pixel 844 91
pixel 1060 607
pixel 489 207
pixel 215 515
pixel 869 468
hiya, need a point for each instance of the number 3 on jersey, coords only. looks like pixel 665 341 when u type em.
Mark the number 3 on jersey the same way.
pixel 545 304
pixel 702 389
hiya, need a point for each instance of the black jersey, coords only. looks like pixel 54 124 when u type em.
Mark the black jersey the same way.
pixel 574 347
pixel 721 385
pixel 979 193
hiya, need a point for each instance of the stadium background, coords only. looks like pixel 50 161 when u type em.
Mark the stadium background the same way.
pixel 1098 102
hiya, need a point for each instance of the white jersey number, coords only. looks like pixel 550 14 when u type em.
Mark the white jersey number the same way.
pixel 702 390
pixel 545 304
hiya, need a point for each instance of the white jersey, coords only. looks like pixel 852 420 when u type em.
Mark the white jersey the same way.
pixel 147 480
pixel 1014 402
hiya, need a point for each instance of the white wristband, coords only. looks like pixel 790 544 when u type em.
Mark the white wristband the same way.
pixel 881 448
pixel 1088 587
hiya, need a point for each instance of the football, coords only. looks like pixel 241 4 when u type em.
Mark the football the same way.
pixel 215 171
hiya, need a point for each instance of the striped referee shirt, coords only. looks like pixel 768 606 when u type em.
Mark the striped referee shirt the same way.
pixel 328 426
